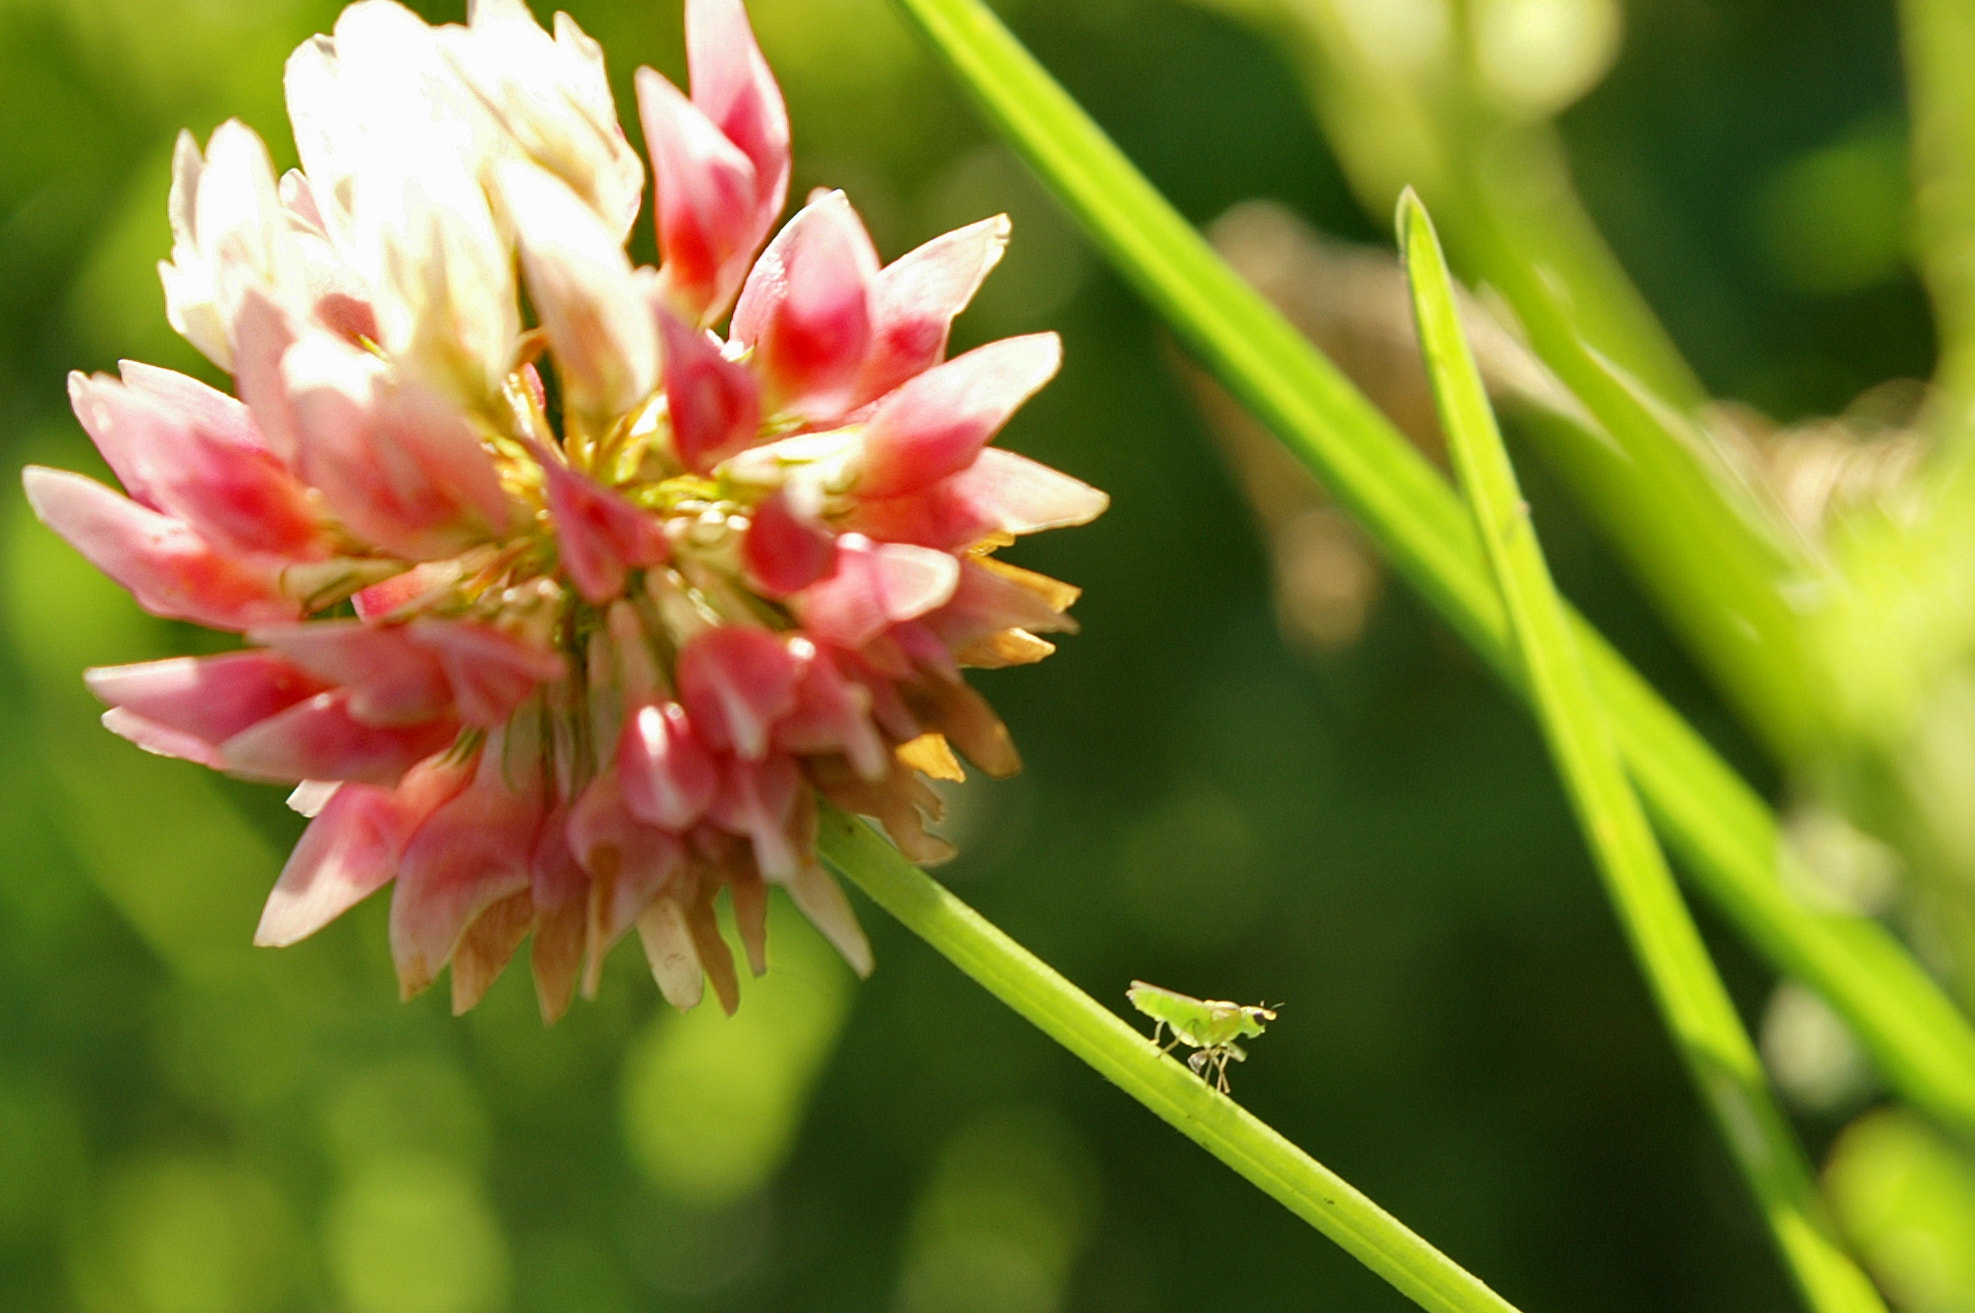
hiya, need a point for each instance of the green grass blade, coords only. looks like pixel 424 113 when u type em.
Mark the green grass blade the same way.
pixel 1938 37
pixel 1720 828
pixel 1692 1000
pixel 1129 1060
pixel 1714 555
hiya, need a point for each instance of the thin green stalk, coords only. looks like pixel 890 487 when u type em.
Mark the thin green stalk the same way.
pixel 1939 41
pixel 1692 1000
pixel 1723 831
pixel 1137 1066
pixel 1711 552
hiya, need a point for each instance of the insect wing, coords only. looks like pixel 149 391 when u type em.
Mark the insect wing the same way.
pixel 1187 1015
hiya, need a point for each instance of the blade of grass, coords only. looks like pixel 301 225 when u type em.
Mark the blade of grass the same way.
pixel 1137 1066
pixel 1706 544
pixel 1938 37
pixel 1723 831
pixel 1693 1002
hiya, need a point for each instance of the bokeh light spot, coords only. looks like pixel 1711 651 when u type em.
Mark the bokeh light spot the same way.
pixel 413 1104
pixel 1187 871
pixel 711 1102
pixel 1907 1198
pixel 414 1234
pixel 1000 1222
pixel 1835 219
pixel 188 1235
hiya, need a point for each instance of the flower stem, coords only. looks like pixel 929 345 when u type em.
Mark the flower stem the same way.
pixel 1135 1065
pixel 1693 1002
pixel 1726 834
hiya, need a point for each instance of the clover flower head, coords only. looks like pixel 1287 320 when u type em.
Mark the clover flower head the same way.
pixel 562 626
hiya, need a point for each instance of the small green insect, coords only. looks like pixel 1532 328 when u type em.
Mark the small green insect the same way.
pixel 1209 1025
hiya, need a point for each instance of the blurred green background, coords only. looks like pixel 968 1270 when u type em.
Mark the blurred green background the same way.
pixel 1365 830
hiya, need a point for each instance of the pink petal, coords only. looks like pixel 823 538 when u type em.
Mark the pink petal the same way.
pixel 227 421
pixel 556 877
pixel 923 650
pixel 735 680
pixel 352 849
pixel 876 585
pixel 666 775
pixel 320 740
pixel 470 854
pixel 389 680
pixel 559 889
pixel 987 602
pixel 630 862
pixel 164 563
pixel 756 800
pixel 941 516
pixel 914 300
pixel 599 533
pixel 714 403
pixel 936 424
pixel 1025 496
pixel 733 86
pixel 805 310
pixel 397 463
pixel 491 672
pixel 181 448
pixel 206 700
pixel 162 739
pixel 380 600
pixel 888 708
pixel 832 715
pixel 239 498
pixel 783 552
pixel 298 198
pixel 262 334
pixel 1000 492
pixel 710 212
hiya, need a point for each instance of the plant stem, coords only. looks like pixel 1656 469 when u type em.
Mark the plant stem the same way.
pixel 1136 1065
pixel 1726 835
pixel 1692 1000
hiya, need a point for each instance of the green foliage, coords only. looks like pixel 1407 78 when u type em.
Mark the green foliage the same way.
pixel 1908 1200
pixel 1119 1053
pixel 1730 841
pixel 186 1123
pixel 1693 1003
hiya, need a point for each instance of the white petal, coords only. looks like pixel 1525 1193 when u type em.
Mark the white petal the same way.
pixel 671 953
pixel 599 323
pixel 551 99
pixel 442 277
pixel 229 233
pixel 823 902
